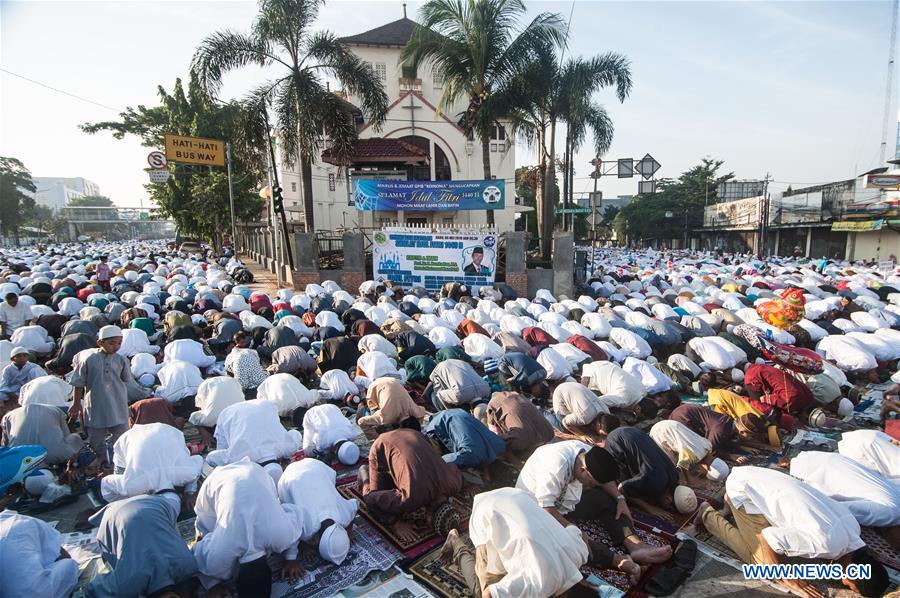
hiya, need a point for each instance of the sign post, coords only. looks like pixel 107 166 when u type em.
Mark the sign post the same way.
pixel 231 197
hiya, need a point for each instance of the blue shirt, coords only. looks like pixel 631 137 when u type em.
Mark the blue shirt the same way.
pixel 13 378
pixel 469 442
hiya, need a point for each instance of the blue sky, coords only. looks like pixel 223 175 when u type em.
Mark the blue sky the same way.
pixel 795 89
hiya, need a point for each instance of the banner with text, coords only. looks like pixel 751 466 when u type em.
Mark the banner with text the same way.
pixel 431 258
pixel 429 195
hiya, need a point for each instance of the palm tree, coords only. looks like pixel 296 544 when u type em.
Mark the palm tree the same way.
pixel 301 102
pixel 475 47
pixel 547 93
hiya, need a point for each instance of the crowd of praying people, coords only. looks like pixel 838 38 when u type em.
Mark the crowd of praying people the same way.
pixel 664 372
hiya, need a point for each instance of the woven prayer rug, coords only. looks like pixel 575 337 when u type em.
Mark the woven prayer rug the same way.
pixel 368 552
pixel 417 531
pixel 443 578
pixel 881 550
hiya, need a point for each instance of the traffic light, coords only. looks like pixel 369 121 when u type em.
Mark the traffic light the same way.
pixel 277 199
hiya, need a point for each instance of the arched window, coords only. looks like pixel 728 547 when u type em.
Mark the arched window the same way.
pixel 442 169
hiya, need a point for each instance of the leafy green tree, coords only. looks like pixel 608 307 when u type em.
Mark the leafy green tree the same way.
pixel 685 198
pixel 96 201
pixel 548 93
pixel 191 112
pixel 476 48
pixel 15 182
pixel 282 37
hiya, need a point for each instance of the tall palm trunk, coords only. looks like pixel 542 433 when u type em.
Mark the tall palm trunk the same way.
pixel 541 190
pixel 486 164
pixel 565 189
pixel 549 199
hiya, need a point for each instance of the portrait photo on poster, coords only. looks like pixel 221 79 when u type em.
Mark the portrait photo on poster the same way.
pixel 478 261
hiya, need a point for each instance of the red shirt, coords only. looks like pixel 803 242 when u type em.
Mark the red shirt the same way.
pixel 778 388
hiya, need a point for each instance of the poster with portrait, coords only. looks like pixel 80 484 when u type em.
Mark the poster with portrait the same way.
pixel 431 258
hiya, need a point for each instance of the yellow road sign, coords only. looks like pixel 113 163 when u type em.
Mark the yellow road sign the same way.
pixel 195 150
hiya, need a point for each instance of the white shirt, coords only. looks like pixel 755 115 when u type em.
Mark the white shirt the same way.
pixel 240 520
pixel 576 404
pixel 214 395
pixel 29 559
pixel 683 364
pixel 188 350
pixel 480 347
pixel 534 553
pixel 46 390
pixel 846 353
pixel 154 457
pixel 442 337
pixel 571 354
pixel 653 380
pixel 555 364
pixel 803 522
pixel 286 392
pixel 689 447
pixel 14 317
pixel 630 343
pixel 324 426
pixel 178 379
pixel 134 341
pixel 873 449
pixel 310 485
pixel 376 342
pixel 873 499
pixel 33 338
pixel 717 353
pixel 549 475
pixel 252 429
pixel 617 387
pixel 335 385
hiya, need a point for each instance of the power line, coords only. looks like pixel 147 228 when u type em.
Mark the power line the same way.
pixel 51 88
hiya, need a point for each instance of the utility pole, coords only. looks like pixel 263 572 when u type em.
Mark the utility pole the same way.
pixel 890 83
pixel 231 198
pixel 764 217
pixel 596 174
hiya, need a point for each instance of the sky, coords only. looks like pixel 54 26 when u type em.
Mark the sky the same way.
pixel 795 90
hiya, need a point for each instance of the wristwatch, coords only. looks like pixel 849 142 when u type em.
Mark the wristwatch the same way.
pixel 620 497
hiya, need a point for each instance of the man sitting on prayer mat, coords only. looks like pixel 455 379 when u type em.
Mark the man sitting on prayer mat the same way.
pixel 140 543
pixel 777 518
pixel 405 472
pixel 240 522
pixel 564 479
pixel 327 516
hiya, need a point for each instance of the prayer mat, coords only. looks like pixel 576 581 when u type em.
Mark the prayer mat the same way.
pixel 613 577
pixel 709 489
pixel 419 531
pixel 368 552
pixel 443 578
pixel 881 550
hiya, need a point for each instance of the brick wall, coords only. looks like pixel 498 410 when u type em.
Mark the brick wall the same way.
pixel 350 281
pixel 519 282
pixel 301 279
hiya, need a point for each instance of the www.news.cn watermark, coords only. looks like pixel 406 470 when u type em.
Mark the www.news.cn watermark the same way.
pixel 807 571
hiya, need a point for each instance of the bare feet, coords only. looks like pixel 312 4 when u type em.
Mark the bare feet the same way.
pixel 363 476
pixel 629 567
pixel 646 554
pixel 449 546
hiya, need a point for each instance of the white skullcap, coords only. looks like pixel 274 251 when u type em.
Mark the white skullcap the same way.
pixel 817 418
pixel 334 544
pixel 685 500
pixel 845 407
pixel 110 332
pixel 18 351
pixel 275 471
pixel 147 379
pixel 36 483
pixel 348 453
pixel 737 375
pixel 718 470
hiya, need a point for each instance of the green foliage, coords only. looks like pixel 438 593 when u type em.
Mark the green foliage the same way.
pixel 685 197
pixel 192 113
pixel 281 37
pixel 15 180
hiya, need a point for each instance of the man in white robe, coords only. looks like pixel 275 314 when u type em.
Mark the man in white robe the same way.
pixel 189 350
pixel 324 426
pixel 43 425
pixel 873 449
pixel 134 341
pixel 240 522
pixel 873 499
pixel 252 429
pixel 309 484
pixel 617 387
pixel 213 396
pixel 577 407
pixel 32 560
pixel 287 393
pixel 178 380
pixel 150 458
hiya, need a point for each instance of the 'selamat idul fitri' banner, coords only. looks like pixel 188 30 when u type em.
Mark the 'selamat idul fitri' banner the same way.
pixel 429 195
pixel 419 257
